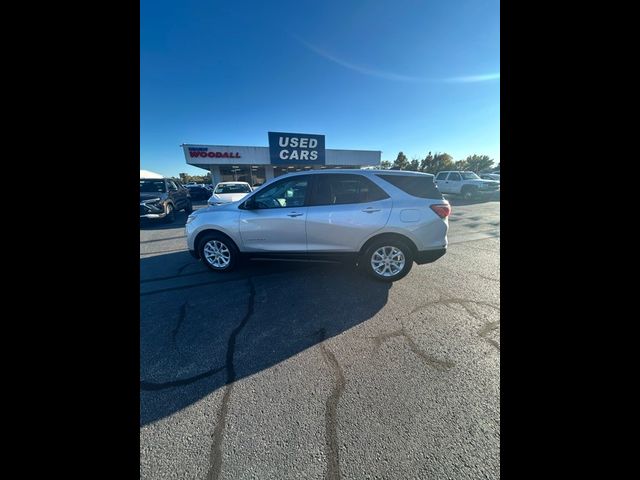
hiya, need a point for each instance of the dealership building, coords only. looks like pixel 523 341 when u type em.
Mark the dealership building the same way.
pixel 286 153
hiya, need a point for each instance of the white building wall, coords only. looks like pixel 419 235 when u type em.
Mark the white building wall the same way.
pixel 260 156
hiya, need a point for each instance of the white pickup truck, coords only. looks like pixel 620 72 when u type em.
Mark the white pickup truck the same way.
pixel 467 184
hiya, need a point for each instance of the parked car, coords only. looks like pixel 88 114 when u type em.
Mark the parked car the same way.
pixel 383 221
pixel 199 192
pixel 490 176
pixel 467 184
pixel 226 192
pixel 161 197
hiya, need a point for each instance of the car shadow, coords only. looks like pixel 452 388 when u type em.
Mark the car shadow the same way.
pixel 455 200
pixel 201 330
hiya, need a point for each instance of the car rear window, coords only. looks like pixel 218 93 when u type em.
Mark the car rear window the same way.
pixel 418 186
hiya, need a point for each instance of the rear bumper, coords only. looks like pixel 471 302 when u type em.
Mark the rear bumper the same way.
pixel 428 256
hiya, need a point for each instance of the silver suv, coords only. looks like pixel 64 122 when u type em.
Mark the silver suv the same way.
pixel 381 220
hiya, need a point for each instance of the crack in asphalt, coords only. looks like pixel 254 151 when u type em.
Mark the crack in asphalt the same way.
pixel 215 456
pixel 487 278
pixel 153 386
pixel 455 301
pixel 466 304
pixel 428 359
pixel 212 282
pixel 181 269
pixel 486 329
pixel 331 412
pixel 182 287
pixel 174 332
pixel 171 277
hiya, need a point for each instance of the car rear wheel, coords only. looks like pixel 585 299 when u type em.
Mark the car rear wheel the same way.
pixel 218 253
pixel 469 193
pixel 387 260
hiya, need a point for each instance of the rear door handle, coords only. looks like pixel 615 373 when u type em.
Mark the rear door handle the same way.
pixel 294 214
pixel 371 210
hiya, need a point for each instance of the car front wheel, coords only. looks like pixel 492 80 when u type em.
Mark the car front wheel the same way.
pixel 387 261
pixel 218 253
pixel 171 214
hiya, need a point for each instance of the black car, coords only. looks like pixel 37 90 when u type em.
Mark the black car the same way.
pixel 161 197
pixel 198 192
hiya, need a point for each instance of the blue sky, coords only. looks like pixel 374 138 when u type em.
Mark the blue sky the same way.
pixel 387 75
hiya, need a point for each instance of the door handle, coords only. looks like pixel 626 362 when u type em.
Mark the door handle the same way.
pixel 371 210
pixel 294 214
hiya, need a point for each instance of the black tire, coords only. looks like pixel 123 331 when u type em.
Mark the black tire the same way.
pixel 469 192
pixel 171 214
pixel 223 245
pixel 189 208
pixel 365 261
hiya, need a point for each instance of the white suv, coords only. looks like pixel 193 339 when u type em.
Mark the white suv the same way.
pixel 467 184
pixel 381 220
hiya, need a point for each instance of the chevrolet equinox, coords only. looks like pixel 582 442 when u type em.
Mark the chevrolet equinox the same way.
pixel 381 220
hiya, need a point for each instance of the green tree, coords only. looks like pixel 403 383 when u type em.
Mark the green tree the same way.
pixel 426 163
pixel 385 164
pixel 401 162
pixel 437 163
pixel 461 165
pixel 478 163
pixel 414 165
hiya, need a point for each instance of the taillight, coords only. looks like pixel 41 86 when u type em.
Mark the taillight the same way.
pixel 442 210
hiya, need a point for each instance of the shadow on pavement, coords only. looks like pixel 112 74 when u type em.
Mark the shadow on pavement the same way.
pixel 200 330
pixel 459 201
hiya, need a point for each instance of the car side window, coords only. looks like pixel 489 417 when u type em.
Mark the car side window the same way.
pixel 284 194
pixel 454 177
pixel 441 176
pixel 341 189
pixel 172 186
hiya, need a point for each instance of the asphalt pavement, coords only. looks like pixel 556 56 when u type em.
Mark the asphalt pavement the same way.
pixel 286 370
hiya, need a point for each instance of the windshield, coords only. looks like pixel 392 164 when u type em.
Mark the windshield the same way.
pixel 152 186
pixel 233 188
pixel 469 176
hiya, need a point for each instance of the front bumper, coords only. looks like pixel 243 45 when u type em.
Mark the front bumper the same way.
pixel 488 191
pixel 428 256
pixel 147 212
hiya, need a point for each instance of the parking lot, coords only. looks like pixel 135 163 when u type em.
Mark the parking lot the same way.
pixel 288 370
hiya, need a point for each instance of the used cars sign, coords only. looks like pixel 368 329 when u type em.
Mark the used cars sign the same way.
pixel 296 149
